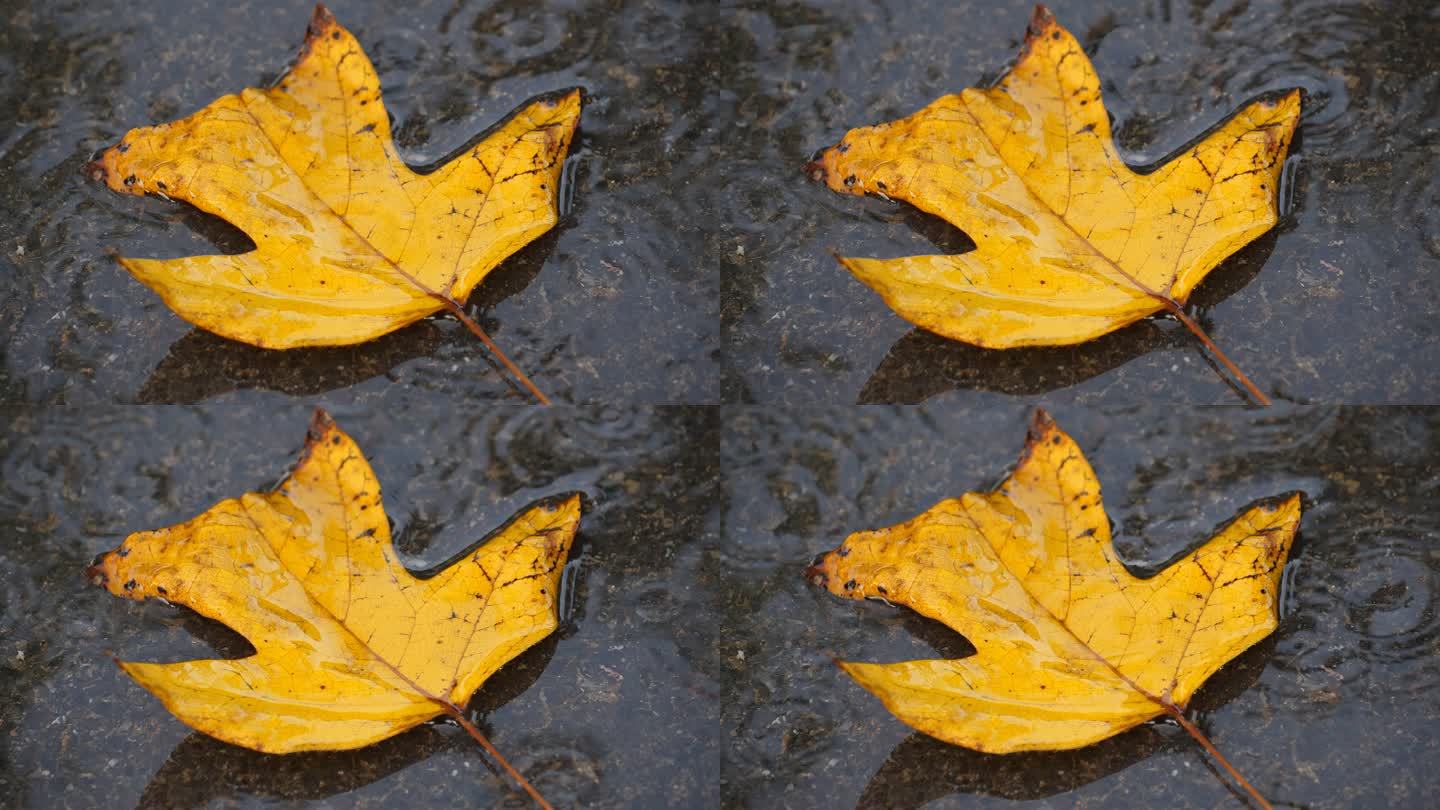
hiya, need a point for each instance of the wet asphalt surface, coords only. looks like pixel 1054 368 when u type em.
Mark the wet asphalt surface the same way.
pixel 730 402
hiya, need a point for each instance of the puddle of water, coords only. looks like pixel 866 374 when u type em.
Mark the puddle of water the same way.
pixel 1336 709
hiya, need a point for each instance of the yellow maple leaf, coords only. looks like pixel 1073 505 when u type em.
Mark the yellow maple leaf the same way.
pixel 1071 648
pixel 350 647
pixel 350 243
pixel 1071 243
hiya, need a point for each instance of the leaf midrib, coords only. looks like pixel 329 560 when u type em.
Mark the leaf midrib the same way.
pixel 443 702
pixel 1165 704
pixel 1164 298
pixel 442 297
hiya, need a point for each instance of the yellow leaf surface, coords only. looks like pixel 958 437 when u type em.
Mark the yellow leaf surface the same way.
pixel 1071 647
pixel 350 647
pixel 1071 243
pixel 350 243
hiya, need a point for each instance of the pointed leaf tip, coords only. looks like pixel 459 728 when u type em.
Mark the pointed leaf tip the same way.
pixel 1041 421
pixel 321 421
pixel 1040 20
pixel 320 20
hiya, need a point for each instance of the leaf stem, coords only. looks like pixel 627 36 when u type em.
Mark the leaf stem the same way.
pixel 459 717
pixel 1194 730
pixel 459 312
pixel 1196 330
pixel 1173 307
pixel 449 708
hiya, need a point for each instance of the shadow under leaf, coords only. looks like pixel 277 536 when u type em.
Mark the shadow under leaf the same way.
pixel 201 365
pixel 922 364
pixel 516 273
pixel 922 769
pixel 202 770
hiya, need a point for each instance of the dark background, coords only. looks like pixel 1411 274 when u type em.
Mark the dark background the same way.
pixel 691 266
